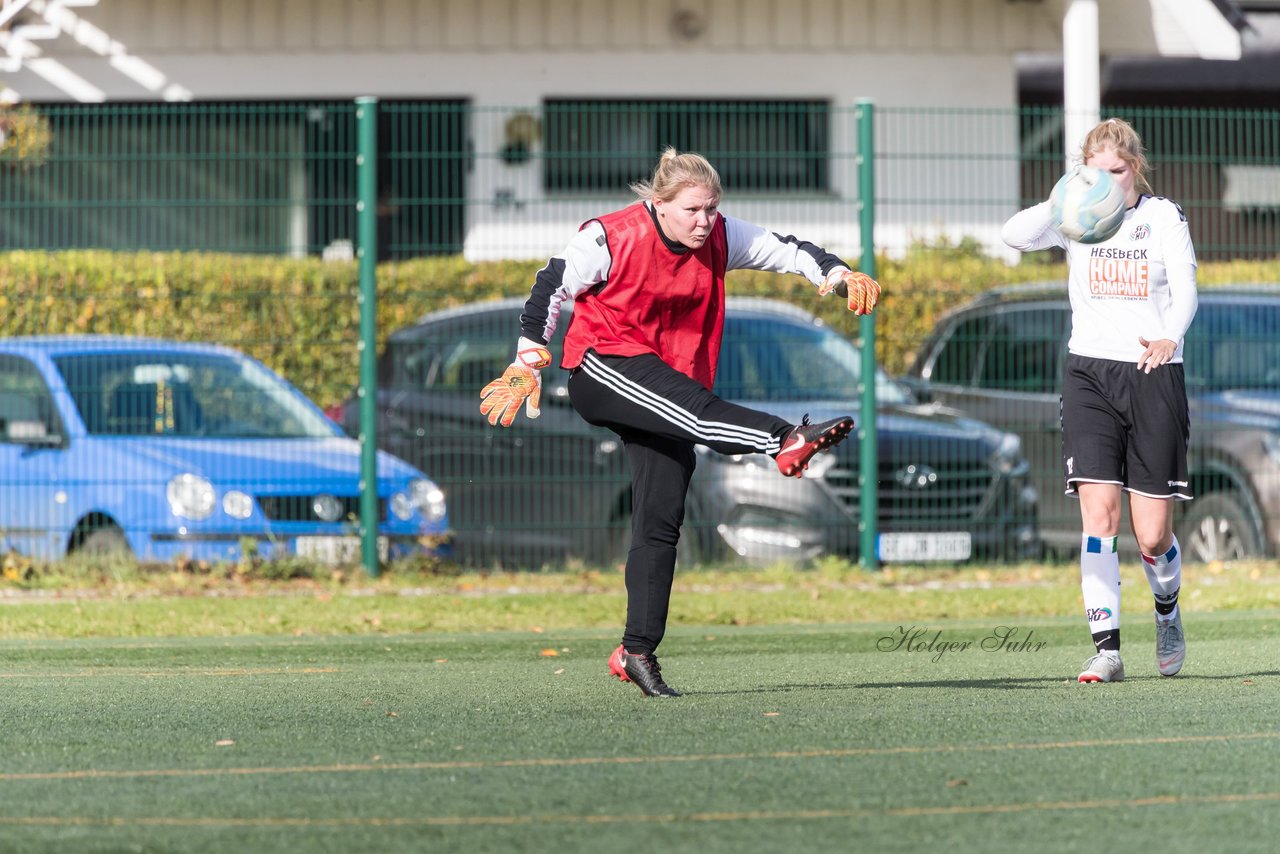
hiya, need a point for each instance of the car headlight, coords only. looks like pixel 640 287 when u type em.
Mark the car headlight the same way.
pixel 190 496
pixel 758 460
pixel 422 496
pixel 1008 455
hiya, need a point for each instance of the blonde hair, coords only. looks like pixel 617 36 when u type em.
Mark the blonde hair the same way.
pixel 674 172
pixel 1119 136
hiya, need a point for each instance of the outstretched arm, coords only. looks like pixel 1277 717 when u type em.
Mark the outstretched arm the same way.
pixel 583 264
pixel 754 248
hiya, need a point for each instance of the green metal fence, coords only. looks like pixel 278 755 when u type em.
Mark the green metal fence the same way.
pixel 240 224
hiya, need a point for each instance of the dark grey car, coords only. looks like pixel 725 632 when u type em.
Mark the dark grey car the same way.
pixel 556 489
pixel 1000 358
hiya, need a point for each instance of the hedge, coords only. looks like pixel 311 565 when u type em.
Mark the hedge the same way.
pixel 301 316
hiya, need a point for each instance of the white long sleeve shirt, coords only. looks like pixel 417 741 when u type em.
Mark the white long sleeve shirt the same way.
pixel 1140 283
pixel 587 263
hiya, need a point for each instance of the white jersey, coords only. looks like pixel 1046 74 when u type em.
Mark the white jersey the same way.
pixel 1140 283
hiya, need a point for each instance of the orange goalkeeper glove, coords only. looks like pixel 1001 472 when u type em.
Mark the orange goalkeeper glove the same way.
pixel 862 291
pixel 520 383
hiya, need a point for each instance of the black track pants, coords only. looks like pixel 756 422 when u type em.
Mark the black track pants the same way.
pixel 660 414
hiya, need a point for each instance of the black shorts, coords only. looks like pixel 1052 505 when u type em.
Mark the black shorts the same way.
pixel 1124 426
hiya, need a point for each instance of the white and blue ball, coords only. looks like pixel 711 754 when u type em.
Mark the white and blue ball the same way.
pixel 1087 205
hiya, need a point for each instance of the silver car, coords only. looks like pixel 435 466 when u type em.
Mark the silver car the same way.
pixel 556 489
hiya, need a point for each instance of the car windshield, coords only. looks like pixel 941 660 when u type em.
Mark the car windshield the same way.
pixel 1234 345
pixel 768 359
pixel 149 393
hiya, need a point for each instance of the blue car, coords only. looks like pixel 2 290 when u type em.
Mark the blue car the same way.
pixel 168 450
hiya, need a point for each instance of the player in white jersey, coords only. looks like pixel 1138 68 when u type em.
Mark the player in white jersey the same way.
pixel 1125 424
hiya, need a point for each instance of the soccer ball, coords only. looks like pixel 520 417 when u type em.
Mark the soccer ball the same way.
pixel 1087 205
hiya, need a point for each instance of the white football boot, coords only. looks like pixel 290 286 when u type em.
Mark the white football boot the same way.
pixel 1171 644
pixel 1106 666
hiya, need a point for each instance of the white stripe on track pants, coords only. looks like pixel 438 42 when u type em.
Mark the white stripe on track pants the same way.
pixel 660 414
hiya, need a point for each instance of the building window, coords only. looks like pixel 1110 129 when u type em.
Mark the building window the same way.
pixel 761 146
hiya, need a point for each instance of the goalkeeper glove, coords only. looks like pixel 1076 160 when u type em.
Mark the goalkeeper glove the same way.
pixel 520 383
pixel 862 291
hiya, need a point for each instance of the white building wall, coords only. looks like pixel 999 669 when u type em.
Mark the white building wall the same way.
pixel 181 27
pixel 501 54
pixel 512 51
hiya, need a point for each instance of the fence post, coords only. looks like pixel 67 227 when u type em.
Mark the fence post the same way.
pixel 869 457
pixel 367 252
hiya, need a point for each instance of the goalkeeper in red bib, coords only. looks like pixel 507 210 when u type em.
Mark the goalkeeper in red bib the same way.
pixel 647 284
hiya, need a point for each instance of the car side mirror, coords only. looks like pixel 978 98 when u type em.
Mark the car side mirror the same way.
pixel 43 441
pixel 918 389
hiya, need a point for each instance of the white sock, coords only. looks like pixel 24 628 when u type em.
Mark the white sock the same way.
pixel 1100 584
pixel 1164 574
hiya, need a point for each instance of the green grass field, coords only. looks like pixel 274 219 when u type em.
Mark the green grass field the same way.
pixel 798 736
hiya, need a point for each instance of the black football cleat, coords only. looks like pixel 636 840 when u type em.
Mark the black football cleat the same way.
pixel 641 669
pixel 808 439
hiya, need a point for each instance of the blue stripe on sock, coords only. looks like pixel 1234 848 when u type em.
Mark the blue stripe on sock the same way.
pixel 1100 545
pixel 1172 553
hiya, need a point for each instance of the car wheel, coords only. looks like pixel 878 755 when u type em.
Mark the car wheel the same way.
pixel 1217 527
pixel 103 542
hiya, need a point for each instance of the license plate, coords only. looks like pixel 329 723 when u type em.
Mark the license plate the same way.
pixel 336 550
pixel 921 547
